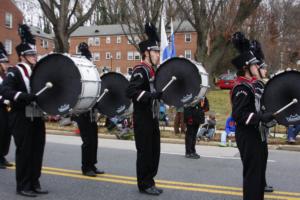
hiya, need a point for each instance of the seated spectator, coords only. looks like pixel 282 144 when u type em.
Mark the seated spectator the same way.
pixel 208 129
pixel 229 130
pixel 292 133
pixel 163 116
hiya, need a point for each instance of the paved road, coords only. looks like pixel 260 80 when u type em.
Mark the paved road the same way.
pixel 216 176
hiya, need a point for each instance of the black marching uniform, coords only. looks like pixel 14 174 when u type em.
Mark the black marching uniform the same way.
pixel 193 117
pixel 89 134
pixel 146 125
pixel 28 129
pixel 248 139
pixel 5 133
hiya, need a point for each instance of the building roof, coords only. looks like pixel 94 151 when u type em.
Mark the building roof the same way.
pixel 40 33
pixel 116 29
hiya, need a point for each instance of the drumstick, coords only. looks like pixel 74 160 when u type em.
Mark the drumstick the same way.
pixel 286 106
pixel 169 83
pixel 102 95
pixel 47 86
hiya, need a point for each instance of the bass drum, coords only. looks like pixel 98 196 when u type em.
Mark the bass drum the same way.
pixel 191 81
pixel 280 90
pixel 114 102
pixel 76 84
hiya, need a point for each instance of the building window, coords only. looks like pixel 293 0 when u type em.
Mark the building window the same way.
pixel 97 41
pixel 119 39
pixel 8 20
pixel 108 55
pixel 8 46
pixel 188 37
pixel 77 49
pixel 137 55
pixel 118 55
pixel 44 44
pixel 137 39
pixel 129 39
pixel 188 54
pixel 91 41
pixel 108 40
pixel 118 69
pixel 96 56
pixel 129 55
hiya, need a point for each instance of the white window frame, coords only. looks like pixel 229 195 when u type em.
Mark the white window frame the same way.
pixel 91 41
pixel 96 41
pixel 119 39
pixel 8 21
pixel 187 37
pixel 118 55
pixel 137 55
pixel 130 55
pixel 129 39
pixel 188 54
pixel 8 46
pixel 45 44
pixel 108 56
pixel 96 56
pixel 108 40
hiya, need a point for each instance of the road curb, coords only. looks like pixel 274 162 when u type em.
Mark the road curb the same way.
pixel 172 140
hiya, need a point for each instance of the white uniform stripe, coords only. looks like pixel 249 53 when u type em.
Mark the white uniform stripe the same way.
pixel 249 118
pixel 140 96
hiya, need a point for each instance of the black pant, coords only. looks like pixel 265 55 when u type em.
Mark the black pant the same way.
pixel 89 136
pixel 5 133
pixel 265 159
pixel 253 159
pixel 30 143
pixel 190 138
pixel 147 141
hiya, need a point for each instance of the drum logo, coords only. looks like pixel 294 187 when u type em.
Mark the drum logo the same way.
pixel 64 108
pixel 293 118
pixel 186 98
pixel 121 109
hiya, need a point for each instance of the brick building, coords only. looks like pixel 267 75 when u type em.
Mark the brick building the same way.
pixel 10 18
pixel 44 41
pixel 111 49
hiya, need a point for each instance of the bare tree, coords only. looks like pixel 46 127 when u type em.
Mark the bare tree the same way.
pixel 60 13
pixel 215 21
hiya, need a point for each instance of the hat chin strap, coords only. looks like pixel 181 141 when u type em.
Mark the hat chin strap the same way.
pixel 31 65
pixel 150 58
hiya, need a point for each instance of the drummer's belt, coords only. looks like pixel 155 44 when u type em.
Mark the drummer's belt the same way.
pixel 33 110
pixel 155 103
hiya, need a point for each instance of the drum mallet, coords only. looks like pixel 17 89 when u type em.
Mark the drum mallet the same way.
pixel 47 86
pixel 286 106
pixel 169 83
pixel 102 95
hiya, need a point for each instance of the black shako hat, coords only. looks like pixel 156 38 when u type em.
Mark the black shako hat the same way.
pixel 3 54
pixel 84 49
pixel 152 43
pixel 244 59
pixel 27 45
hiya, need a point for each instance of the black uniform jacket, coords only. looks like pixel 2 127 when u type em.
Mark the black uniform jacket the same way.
pixel 243 105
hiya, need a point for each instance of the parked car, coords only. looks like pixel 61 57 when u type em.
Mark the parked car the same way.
pixel 226 81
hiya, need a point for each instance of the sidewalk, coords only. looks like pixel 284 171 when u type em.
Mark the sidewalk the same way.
pixel 177 140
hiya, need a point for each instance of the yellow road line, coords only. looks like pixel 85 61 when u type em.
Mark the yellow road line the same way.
pixel 171 182
pixel 160 183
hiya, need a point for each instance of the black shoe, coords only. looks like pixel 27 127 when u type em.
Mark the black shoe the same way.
pixel 97 171
pixel 196 156
pixel 268 188
pixel 159 189
pixel 151 191
pixel 40 191
pixel 6 163
pixel 89 173
pixel 2 166
pixel 188 155
pixel 26 193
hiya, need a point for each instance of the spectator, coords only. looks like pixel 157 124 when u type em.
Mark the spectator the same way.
pixel 229 130
pixel 193 117
pixel 163 116
pixel 179 121
pixel 208 129
pixel 293 131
